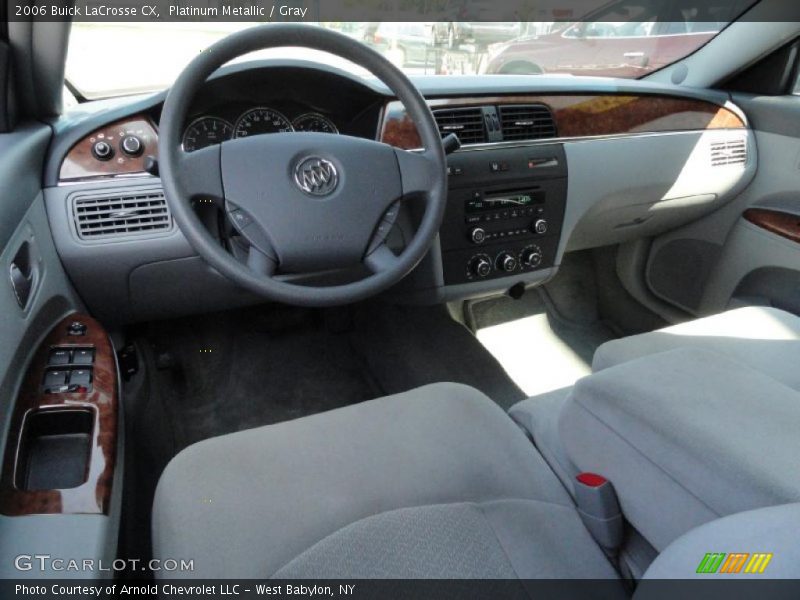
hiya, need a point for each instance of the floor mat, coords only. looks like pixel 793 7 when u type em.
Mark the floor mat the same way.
pixel 409 346
pixel 238 370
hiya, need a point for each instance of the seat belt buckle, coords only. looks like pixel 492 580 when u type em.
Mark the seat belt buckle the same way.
pixel 599 509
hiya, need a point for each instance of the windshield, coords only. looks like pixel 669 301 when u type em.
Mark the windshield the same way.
pixel 626 38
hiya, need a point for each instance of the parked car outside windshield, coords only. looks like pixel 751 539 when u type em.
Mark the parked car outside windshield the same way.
pixel 628 38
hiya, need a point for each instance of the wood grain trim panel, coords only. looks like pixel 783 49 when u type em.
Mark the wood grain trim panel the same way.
pixel 80 163
pixel 583 116
pixel 94 495
pixel 780 223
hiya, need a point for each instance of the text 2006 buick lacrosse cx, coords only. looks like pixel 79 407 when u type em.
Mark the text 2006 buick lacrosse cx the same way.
pixel 280 303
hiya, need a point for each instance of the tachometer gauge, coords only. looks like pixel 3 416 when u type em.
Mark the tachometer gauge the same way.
pixel 206 131
pixel 261 120
pixel 314 122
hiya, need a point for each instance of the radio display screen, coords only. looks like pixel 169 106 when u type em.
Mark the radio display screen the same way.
pixel 501 201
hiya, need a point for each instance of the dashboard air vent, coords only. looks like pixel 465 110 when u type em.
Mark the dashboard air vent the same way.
pixel 466 123
pixel 102 217
pixel 729 152
pixel 526 122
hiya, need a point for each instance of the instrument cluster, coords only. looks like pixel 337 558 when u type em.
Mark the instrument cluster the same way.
pixel 208 130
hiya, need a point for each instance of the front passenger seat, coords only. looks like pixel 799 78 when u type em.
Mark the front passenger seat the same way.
pixel 437 482
pixel 764 338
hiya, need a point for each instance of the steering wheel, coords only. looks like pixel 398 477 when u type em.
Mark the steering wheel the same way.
pixel 305 202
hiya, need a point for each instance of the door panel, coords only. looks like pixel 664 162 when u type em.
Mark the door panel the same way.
pixel 27 247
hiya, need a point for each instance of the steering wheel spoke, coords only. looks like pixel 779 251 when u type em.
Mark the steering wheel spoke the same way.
pixel 201 175
pixel 261 263
pixel 417 171
pixel 381 259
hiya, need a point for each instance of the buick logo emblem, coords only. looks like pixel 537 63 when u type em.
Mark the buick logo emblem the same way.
pixel 316 176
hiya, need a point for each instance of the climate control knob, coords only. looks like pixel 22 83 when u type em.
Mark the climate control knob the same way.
pixel 506 262
pixel 540 227
pixel 531 257
pixel 477 235
pixel 102 150
pixel 480 266
pixel 132 145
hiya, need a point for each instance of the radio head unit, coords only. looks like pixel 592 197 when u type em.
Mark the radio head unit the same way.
pixel 504 200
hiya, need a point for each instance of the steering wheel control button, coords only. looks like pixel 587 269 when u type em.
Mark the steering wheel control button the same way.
pixel 102 150
pixel 391 214
pixel 316 176
pixel 132 145
pixel 540 227
pixel 506 262
pixel 477 235
pixel 240 219
pixel 480 266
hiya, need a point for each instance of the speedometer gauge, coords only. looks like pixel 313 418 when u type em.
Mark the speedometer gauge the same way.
pixel 261 120
pixel 314 122
pixel 206 131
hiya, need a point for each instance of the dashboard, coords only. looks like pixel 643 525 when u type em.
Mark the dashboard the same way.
pixel 547 166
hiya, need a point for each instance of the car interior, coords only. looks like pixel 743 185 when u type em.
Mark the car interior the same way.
pixel 289 320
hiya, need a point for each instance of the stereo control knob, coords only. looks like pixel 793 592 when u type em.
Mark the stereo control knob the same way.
pixel 102 150
pixel 531 257
pixel 480 266
pixel 477 235
pixel 132 145
pixel 507 262
pixel 540 227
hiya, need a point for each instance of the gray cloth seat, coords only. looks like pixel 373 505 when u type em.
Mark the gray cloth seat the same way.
pixel 435 482
pixel 762 338
pixel 766 339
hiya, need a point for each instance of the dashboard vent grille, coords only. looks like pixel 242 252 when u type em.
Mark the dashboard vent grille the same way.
pixel 729 152
pixel 527 122
pixel 466 123
pixel 101 217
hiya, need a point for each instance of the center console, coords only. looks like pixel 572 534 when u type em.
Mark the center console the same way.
pixel 505 212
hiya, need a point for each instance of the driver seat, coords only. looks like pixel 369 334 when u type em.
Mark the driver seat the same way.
pixel 437 482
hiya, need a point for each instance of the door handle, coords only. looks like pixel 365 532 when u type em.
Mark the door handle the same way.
pixel 24 274
pixel 634 55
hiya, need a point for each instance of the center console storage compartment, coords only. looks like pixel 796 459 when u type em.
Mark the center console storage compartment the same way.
pixel 54 449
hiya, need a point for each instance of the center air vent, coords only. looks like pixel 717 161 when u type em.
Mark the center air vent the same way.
pixel 526 122
pixel 466 123
pixel 730 152
pixel 103 217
